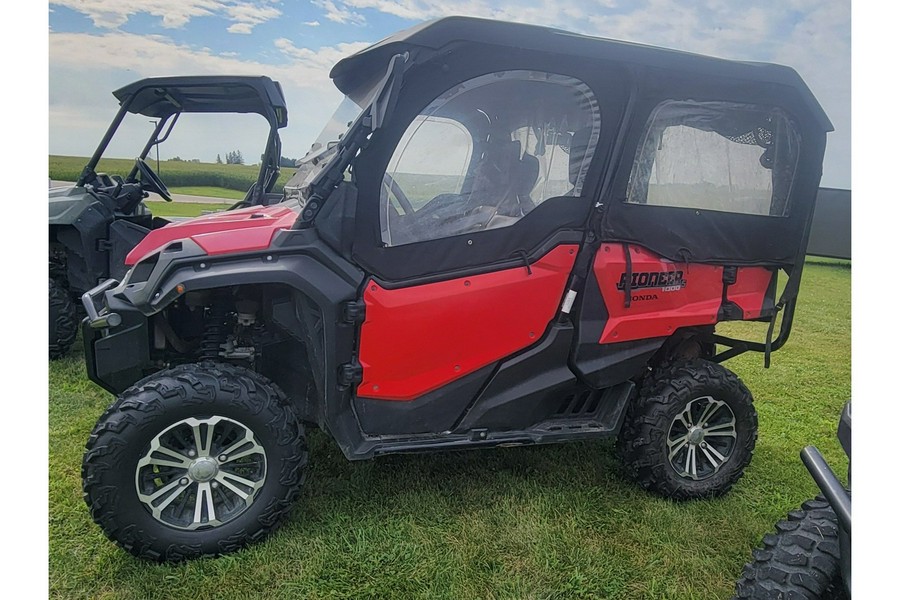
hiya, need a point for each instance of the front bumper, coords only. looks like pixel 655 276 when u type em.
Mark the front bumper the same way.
pixel 116 339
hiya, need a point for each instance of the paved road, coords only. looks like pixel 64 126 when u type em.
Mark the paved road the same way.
pixel 175 197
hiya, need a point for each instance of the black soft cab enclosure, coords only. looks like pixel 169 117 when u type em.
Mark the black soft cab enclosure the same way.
pixel 698 159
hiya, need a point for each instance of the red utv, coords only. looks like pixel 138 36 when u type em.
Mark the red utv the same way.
pixel 507 235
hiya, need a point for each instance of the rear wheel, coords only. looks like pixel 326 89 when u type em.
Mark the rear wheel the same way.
pixel 63 320
pixel 198 460
pixel 691 432
pixel 800 560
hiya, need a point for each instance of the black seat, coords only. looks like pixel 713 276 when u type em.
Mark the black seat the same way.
pixel 528 168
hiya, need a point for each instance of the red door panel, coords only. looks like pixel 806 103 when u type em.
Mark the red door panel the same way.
pixel 749 290
pixel 417 339
pixel 666 295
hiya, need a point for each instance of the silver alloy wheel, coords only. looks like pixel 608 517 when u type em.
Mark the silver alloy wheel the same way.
pixel 201 473
pixel 701 438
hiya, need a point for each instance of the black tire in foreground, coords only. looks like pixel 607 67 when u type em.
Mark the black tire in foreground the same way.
pixel 690 433
pixel 198 460
pixel 800 560
pixel 63 320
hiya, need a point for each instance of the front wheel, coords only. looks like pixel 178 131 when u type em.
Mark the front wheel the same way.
pixel 63 320
pixel 691 432
pixel 198 460
pixel 800 560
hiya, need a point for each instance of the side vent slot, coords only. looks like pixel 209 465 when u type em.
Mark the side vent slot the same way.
pixel 577 405
pixel 590 411
pixel 564 406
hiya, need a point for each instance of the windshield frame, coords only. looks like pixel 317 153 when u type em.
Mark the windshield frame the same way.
pixel 379 102
pixel 325 146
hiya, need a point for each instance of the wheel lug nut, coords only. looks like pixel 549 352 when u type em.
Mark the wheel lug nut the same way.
pixel 223 458
pixel 214 484
pixel 191 453
pixel 703 444
pixel 184 481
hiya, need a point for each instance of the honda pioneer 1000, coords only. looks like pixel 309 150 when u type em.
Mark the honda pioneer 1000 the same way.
pixel 94 224
pixel 509 235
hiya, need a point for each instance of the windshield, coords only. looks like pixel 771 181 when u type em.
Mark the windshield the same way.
pixel 324 147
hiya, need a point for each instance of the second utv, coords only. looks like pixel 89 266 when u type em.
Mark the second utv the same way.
pixel 98 220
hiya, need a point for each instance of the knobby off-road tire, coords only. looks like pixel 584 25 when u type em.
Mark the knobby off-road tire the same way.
pixel 801 560
pixel 173 430
pixel 63 320
pixel 691 431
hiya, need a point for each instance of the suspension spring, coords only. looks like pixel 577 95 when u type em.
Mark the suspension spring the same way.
pixel 215 332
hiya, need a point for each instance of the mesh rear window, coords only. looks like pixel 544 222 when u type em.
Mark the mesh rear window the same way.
pixel 719 156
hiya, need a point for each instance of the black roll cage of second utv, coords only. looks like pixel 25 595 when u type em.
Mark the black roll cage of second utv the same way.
pixel 165 98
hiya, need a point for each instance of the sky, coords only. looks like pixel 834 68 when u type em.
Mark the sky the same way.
pixel 96 46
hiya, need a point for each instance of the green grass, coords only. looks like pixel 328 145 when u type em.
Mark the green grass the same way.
pixel 175 174
pixel 184 209
pixel 541 522
pixel 210 191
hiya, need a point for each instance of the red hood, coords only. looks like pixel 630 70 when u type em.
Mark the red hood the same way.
pixel 221 233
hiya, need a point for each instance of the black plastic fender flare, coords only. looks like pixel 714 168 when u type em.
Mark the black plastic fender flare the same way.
pixel 299 260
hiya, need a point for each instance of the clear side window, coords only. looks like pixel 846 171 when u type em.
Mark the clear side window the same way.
pixel 486 153
pixel 719 156
pixel 416 174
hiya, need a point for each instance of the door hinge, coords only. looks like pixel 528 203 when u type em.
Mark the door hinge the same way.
pixel 354 312
pixel 349 374
pixel 104 245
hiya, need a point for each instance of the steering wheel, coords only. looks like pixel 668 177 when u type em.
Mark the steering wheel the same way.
pixel 151 181
pixel 405 204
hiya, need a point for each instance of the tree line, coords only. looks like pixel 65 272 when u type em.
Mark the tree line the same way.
pixel 235 157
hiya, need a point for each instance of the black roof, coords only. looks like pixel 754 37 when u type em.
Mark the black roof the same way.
pixel 433 35
pixel 162 96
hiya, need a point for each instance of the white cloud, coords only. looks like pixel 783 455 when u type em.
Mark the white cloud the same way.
pixel 174 14
pixel 323 58
pixel 560 13
pixel 415 11
pixel 339 14
pixel 247 16
pixel 311 23
pixel 79 114
pixel 127 52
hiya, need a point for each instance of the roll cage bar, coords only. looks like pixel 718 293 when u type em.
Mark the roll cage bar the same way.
pixel 166 98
